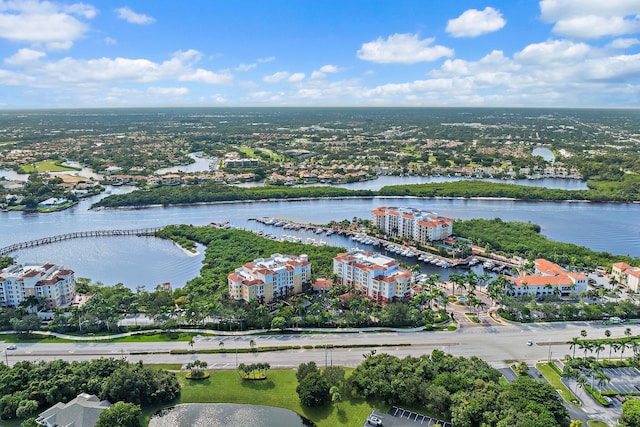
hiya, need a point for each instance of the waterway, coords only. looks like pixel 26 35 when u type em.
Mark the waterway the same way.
pixel 147 262
pixel 227 414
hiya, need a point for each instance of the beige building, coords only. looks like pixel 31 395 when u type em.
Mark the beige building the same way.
pixel 50 282
pixel 548 279
pixel 378 277
pixel 412 224
pixel 626 275
pixel 266 279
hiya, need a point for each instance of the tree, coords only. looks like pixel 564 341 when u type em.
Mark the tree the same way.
pixel 278 322
pixel 575 342
pixel 120 414
pixel 336 397
pixel 306 368
pixel 313 390
pixel 631 413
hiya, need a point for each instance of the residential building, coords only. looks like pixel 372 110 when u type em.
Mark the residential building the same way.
pixel 412 224
pixel 378 277
pixel 548 279
pixel 241 163
pixel 626 275
pixel 83 411
pixel 265 279
pixel 51 282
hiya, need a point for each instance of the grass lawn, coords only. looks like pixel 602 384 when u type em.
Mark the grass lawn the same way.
pixel 278 390
pixel 151 337
pixel 46 166
pixel 597 423
pixel 554 379
pixel 165 366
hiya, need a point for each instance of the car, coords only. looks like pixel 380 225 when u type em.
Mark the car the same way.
pixel 12 347
pixel 529 343
pixel 374 421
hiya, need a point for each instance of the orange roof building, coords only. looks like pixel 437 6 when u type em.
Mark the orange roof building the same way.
pixel 626 275
pixel 378 277
pixel 55 285
pixel 549 278
pixel 412 224
pixel 266 279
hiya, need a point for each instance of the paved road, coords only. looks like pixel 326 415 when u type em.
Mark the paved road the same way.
pixel 496 344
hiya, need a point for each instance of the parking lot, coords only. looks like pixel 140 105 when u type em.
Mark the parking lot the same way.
pixel 398 417
pixel 624 380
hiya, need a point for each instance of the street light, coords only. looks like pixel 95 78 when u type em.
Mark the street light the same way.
pixel 549 358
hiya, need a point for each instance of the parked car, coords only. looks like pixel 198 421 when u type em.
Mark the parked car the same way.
pixel 374 421
pixel 12 347
pixel 529 343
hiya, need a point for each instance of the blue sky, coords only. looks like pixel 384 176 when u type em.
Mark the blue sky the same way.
pixel 555 53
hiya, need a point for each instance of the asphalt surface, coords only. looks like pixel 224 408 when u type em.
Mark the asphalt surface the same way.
pixel 497 344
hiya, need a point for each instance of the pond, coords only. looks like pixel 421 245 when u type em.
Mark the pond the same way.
pixel 227 414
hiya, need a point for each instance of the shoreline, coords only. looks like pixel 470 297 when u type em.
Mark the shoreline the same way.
pixel 303 199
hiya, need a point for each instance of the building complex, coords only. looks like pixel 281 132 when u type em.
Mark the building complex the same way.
pixel 378 277
pixel 412 224
pixel 49 282
pixel 549 278
pixel 265 279
pixel 626 275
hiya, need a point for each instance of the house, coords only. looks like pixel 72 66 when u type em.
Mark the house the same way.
pixel 549 278
pixel 322 285
pixel 626 275
pixel 83 411
pixel 50 282
pixel 412 224
pixel 266 279
pixel 378 277
pixel 52 202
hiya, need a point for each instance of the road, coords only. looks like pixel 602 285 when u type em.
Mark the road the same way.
pixel 496 344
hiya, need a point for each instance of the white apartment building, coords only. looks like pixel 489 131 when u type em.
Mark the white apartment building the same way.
pixel 50 282
pixel 412 224
pixel 378 277
pixel 265 279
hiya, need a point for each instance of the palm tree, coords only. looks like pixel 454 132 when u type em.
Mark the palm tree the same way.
pixel 582 381
pixel 616 345
pixel 575 342
pixel 607 333
pixel 583 333
pixel 252 344
pixel 627 332
pixel 598 347
pixel 602 378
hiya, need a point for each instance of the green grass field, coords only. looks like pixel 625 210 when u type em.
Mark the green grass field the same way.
pixel 46 166
pixel 554 379
pixel 278 390
pixel 597 423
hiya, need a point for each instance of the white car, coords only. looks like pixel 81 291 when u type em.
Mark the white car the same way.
pixel 529 343
pixel 373 420
pixel 12 347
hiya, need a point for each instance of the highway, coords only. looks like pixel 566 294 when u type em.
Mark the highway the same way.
pixel 496 344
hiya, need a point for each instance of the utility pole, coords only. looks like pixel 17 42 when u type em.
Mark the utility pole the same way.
pixel 549 358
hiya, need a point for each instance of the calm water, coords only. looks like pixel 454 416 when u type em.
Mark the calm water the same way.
pixel 140 261
pixel 227 415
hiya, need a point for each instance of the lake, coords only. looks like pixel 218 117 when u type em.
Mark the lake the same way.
pixel 227 415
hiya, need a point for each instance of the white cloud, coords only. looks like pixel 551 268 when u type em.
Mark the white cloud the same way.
pixel 563 51
pixel 473 23
pixel 623 43
pixel 276 77
pixel 245 67
pixel 24 56
pixel 591 18
pixel 168 91
pixel 70 71
pixel 127 14
pixel 267 59
pixel 35 22
pixel 402 48
pixel 329 69
pixel 109 41
pixel 296 77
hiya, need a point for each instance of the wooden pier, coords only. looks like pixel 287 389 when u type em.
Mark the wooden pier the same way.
pixel 76 235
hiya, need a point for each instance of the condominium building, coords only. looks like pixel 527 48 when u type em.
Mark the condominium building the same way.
pixel 626 275
pixel 378 277
pixel 549 278
pixel 265 279
pixel 412 224
pixel 50 282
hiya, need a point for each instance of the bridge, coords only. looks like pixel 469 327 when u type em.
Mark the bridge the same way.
pixel 78 234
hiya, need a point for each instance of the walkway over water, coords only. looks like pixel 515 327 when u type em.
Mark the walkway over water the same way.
pixel 78 234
